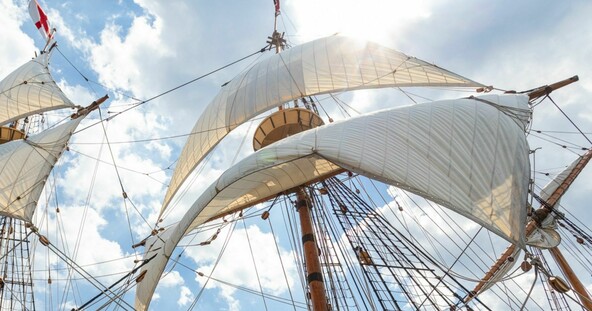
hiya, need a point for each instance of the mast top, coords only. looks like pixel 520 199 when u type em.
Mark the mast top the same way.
pixel 82 111
pixel 276 40
pixel 547 89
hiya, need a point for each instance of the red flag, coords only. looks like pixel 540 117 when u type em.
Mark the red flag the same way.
pixel 40 19
pixel 277 7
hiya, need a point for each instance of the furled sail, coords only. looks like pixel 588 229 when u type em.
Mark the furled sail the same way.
pixel 25 166
pixel 330 64
pixel 506 267
pixel 469 155
pixel 550 187
pixel 30 89
pixel 546 235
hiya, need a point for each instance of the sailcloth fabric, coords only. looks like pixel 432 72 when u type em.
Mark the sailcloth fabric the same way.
pixel 469 155
pixel 30 89
pixel 326 65
pixel 545 235
pixel 550 187
pixel 25 166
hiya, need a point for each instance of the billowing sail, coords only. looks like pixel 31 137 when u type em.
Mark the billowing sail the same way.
pixel 30 89
pixel 325 65
pixel 25 166
pixel 466 155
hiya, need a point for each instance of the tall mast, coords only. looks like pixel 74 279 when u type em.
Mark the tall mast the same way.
pixel 16 281
pixel 314 275
pixel 276 40
pixel 573 279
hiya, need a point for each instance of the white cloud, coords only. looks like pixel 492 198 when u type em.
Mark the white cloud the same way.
pixel 185 296
pixel 377 20
pixel 78 94
pixel 18 47
pixel 227 293
pixel 156 296
pixel 78 233
pixel 238 263
pixel 121 62
pixel 172 279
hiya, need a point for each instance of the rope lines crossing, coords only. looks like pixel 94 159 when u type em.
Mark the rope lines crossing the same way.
pixel 170 90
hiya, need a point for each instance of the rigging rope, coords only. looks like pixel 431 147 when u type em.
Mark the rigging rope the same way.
pixel 292 231
pixel 80 229
pixel 568 118
pixel 570 148
pixel 254 264
pixel 295 304
pixel 365 296
pixel 430 237
pixel 121 167
pixel 559 132
pixel 117 282
pixel 124 194
pixel 401 259
pixel 209 276
pixel 281 261
pixel 173 89
pixel 157 138
pixel 92 280
pixel 449 268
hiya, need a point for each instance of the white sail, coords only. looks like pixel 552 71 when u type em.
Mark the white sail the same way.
pixel 25 166
pixel 155 248
pixel 550 187
pixel 546 235
pixel 325 65
pixel 30 89
pixel 464 154
pixel 502 272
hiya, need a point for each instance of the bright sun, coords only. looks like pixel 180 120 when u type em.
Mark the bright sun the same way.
pixel 375 20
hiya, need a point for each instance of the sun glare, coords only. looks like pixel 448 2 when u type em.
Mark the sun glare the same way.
pixel 376 20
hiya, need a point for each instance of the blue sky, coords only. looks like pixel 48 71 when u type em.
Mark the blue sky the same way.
pixel 141 48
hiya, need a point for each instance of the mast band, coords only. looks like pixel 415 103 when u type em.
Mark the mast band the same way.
pixel 315 276
pixel 308 238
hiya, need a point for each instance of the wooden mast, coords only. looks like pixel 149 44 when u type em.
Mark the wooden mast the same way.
pixel 314 275
pixel 547 89
pixel 553 199
pixel 573 279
